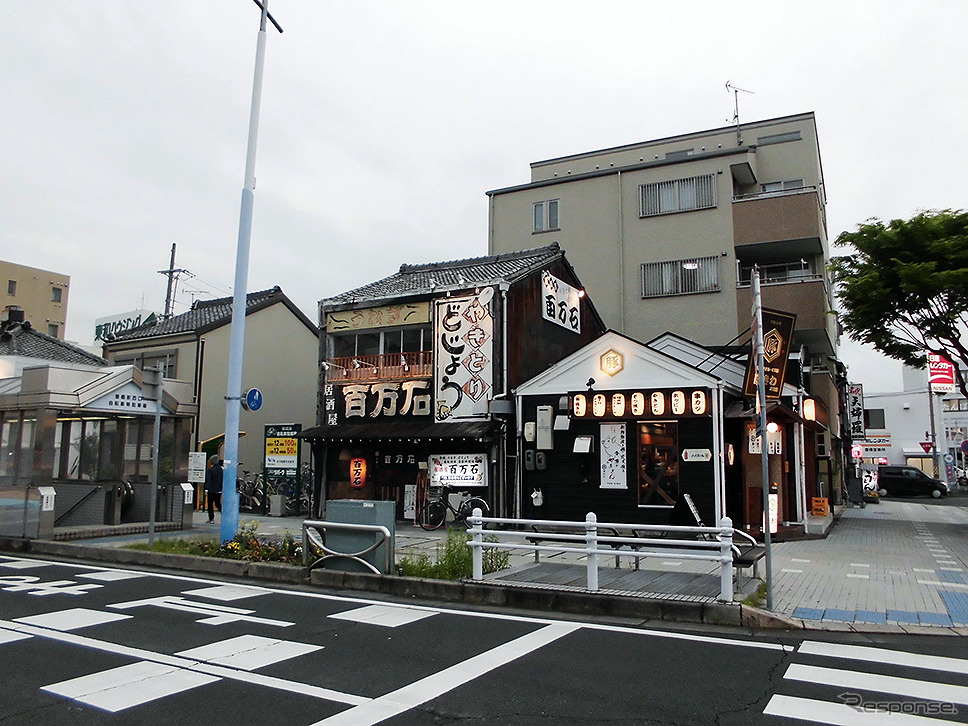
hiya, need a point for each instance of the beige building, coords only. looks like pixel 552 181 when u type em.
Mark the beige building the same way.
pixel 41 294
pixel 281 346
pixel 665 234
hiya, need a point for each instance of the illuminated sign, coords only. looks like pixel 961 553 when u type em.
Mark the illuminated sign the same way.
pixel 662 403
pixel 358 472
pixel 777 332
pixel 611 362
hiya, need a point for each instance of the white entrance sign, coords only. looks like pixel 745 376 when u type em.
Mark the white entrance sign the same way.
pixel 458 470
pixel 561 303
pixel 614 454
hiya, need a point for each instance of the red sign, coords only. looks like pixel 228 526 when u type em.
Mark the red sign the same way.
pixel 358 472
pixel 927 446
pixel 941 373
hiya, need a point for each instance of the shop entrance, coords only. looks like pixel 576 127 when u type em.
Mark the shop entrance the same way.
pixel 658 444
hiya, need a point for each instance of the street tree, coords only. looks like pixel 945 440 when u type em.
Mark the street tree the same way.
pixel 904 287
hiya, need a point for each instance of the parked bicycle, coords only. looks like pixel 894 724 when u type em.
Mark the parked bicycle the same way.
pixel 251 491
pixel 434 511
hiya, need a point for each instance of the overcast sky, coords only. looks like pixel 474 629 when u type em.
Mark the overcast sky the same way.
pixel 383 123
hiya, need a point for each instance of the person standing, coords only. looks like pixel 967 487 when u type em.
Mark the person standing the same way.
pixel 213 486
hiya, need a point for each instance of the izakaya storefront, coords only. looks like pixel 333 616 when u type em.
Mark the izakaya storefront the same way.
pixel 623 431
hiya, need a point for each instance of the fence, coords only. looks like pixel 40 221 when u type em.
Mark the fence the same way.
pixel 713 544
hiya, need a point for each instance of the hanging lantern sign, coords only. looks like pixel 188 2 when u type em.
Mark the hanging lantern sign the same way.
pixel 358 472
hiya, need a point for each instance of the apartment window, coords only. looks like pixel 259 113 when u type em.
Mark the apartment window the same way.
pixel 778 138
pixel 52 330
pixel 11 287
pixel 783 186
pixel 387 342
pixel 678 195
pixel 546 216
pixel 56 294
pixel 680 277
pixel 874 418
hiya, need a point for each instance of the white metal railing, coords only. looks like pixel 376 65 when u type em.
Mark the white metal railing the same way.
pixel 588 539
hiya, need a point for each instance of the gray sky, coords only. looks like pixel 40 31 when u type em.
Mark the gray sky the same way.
pixel 384 122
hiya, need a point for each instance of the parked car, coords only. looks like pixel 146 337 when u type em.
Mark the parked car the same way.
pixel 908 481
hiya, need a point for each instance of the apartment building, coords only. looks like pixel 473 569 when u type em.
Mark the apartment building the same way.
pixel 665 235
pixel 41 294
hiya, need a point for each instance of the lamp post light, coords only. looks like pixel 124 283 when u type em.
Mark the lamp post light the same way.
pixel 233 396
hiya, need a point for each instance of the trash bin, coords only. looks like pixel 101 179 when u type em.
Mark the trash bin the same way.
pixel 358 511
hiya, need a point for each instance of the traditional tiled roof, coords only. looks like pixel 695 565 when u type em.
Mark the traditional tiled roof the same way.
pixel 21 339
pixel 208 314
pixel 457 274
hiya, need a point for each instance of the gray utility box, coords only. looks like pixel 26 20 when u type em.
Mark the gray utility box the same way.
pixel 188 504
pixel 358 511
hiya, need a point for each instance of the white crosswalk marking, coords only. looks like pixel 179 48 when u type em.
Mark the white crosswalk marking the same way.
pixel 866 699
pixel 839 714
pixel 73 619
pixel 387 616
pixel 215 614
pixel 248 652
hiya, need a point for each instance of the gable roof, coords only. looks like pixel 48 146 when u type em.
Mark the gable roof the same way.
pixel 20 339
pixel 456 274
pixel 206 315
pixel 641 363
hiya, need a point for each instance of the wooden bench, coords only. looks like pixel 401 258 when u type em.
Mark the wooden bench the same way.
pixel 747 552
pixel 570 535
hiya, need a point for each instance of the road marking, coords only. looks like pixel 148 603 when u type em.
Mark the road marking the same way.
pixel 23 564
pixel 929 691
pixel 140 654
pixel 131 685
pixel 792 572
pixel 942 584
pixel 919 570
pixel 215 614
pixel 859 564
pixel 111 575
pixel 248 652
pixel 858 576
pixel 73 619
pixel 8 637
pixel 880 655
pixel 33 586
pixel 387 616
pixel 840 714
pixel 951 569
pixel 227 593
pixel 794 559
pixel 426 689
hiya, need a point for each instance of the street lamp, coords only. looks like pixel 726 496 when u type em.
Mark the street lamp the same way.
pixel 233 396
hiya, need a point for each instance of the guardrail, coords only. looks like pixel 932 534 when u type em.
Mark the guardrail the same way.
pixel 718 547
pixel 311 538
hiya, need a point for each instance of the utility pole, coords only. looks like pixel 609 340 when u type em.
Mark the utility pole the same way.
pixel 761 426
pixel 233 395
pixel 172 274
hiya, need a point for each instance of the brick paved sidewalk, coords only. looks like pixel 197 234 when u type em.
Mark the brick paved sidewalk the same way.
pixel 902 562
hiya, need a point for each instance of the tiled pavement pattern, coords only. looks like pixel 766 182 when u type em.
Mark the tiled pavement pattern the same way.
pixel 900 562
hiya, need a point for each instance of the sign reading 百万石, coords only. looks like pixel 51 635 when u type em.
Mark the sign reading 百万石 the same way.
pixel 458 470
pixel 561 302
pixel 463 344
pixel 386 399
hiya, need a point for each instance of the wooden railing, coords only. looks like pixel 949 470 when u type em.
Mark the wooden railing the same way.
pixel 389 366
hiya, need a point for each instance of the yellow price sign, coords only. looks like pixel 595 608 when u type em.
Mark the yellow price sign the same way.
pixel 281 447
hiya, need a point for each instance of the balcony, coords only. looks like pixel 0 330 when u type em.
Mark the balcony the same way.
pixel 807 297
pixel 780 216
pixel 386 367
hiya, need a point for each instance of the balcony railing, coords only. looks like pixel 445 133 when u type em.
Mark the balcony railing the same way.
pixel 388 366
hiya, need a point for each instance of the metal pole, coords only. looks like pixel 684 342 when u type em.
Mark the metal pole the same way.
pixel 761 425
pixel 155 454
pixel 233 395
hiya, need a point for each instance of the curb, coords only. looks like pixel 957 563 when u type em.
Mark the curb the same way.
pixel 539 599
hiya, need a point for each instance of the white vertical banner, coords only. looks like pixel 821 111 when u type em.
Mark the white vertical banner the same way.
pixel 614 448
pixel 463 355
pixel 561 302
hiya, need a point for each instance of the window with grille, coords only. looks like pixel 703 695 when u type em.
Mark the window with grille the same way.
pixel 678 195
pixel 680 277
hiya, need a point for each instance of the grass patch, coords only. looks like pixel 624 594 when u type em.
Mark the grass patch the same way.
pixel 453 559
pixel 756 598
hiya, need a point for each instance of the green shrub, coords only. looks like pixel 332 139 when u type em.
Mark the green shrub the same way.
pixel 246 545
pixel 453 559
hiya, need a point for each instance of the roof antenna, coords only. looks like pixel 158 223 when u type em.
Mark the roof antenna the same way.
pixel 736 90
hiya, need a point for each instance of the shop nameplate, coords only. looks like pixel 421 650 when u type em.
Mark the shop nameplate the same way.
pixel 696 455
pixel 663 403
pixel 458 470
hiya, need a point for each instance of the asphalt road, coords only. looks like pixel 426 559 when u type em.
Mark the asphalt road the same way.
pixel 95 645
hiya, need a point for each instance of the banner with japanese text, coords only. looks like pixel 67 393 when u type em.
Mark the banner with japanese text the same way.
pixel 463 354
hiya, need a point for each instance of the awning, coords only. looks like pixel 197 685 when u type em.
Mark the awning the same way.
pixel 386 430
pixel 775 409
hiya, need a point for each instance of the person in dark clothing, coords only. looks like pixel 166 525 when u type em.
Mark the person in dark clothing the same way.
pixel 213 486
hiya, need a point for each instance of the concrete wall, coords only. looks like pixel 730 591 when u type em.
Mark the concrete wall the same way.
pixel 33 294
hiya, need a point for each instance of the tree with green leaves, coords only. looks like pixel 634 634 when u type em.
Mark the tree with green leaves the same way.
pixel 904 287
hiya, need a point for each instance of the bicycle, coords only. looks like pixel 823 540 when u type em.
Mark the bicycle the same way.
pixel 433 513
pixel 251 491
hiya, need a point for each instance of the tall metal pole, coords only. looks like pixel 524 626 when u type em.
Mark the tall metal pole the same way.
pixel 761 426
pixel 233 395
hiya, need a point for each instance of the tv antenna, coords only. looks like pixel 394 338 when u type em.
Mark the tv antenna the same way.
pixel 736 91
